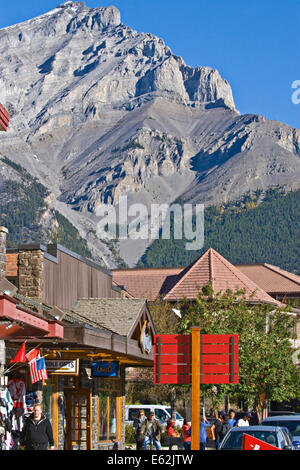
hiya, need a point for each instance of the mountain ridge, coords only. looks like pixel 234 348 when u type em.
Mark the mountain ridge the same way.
pixel 108 111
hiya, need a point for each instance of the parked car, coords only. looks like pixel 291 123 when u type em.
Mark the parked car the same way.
pixel 292 422
pixel 162 412
pixel 279 413
pixel 273 435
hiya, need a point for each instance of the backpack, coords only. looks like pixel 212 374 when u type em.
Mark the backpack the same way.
pixel 224 429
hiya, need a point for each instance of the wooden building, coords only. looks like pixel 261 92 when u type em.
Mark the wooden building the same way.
pixel 54 275
pixel 104 332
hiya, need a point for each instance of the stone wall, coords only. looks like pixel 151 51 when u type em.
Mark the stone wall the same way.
pixel 30 268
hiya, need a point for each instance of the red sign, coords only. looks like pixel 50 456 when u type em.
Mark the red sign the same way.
pixel 252 443
pixel 218 359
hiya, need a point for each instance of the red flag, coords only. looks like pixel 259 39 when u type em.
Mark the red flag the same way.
pixel 20 356
pixel 33 354
pixel 252 443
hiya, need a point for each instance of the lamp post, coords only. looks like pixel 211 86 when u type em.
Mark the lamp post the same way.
pixel 173 391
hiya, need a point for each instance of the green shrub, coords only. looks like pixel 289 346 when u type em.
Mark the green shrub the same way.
pixel 129 434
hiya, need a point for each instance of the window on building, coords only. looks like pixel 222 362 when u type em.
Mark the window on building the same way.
pixel 47 401
pixel 109 408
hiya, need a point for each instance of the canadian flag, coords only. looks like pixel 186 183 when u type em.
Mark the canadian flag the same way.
pixel 252 443
pixel 33 354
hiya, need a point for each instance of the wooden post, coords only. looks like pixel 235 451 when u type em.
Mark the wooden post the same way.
pixel 195 444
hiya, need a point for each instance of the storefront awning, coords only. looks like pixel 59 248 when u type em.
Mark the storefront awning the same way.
pixel 18 322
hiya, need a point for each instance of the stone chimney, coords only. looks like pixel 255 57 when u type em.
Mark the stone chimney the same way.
pixel 30 268
pixel 3 233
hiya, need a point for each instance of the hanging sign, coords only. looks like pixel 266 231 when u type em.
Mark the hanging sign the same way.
pixel 218 359
pixel 105 369
pixel 63 366
pixel 146 338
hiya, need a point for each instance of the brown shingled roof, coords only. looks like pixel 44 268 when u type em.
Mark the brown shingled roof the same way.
pixel 272 278
pixel 146 283
pixel 116 315
pixel 176 283
pixel 213 268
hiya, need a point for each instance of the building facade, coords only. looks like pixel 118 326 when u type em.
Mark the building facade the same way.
pixel 101 333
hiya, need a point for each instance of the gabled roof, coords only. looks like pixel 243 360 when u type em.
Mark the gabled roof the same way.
pixel 213 268
pixel 272 278
pixel 116 315
pixel 146 283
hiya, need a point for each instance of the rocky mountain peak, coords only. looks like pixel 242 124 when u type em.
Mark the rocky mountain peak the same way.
pixel 99 110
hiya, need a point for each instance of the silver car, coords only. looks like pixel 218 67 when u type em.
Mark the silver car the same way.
pixel 292 422
pixel 273 435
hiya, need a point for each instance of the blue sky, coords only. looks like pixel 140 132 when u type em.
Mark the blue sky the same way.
pixel 255 44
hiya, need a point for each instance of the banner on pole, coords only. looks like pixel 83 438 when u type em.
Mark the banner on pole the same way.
pixel 219 359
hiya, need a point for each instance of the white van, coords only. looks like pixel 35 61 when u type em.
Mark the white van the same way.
pixel 161 412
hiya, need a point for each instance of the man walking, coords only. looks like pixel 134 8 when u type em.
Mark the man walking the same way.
pixel 37 432
pixel 137 426
pixel 151 430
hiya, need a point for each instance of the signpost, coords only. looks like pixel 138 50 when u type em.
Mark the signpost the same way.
pixel 196 359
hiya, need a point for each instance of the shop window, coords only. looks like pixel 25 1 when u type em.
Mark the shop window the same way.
pixel 47 401
pixel 109 409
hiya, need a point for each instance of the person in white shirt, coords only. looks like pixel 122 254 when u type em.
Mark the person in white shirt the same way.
pixel 244 421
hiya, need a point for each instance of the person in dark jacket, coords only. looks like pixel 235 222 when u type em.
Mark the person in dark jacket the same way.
pixel 151 429
pixel 137 425
pixel 216 429
pixel 37 431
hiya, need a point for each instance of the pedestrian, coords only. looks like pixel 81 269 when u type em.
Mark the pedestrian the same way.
pixel 171 432
pixel 203 436
pixel 137 425
pixel 186 431
pixel 226 426
pixel 244 421
pixel 232 420
pixel 216 429
pixel 151 430
pixel 37 431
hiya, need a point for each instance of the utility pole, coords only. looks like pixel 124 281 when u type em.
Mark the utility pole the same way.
pixel 195 388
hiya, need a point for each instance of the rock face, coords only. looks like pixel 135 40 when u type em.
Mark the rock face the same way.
pixel 99 110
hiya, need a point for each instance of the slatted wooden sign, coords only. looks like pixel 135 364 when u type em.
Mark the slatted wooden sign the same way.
pixel 4 119
pixel 218 359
